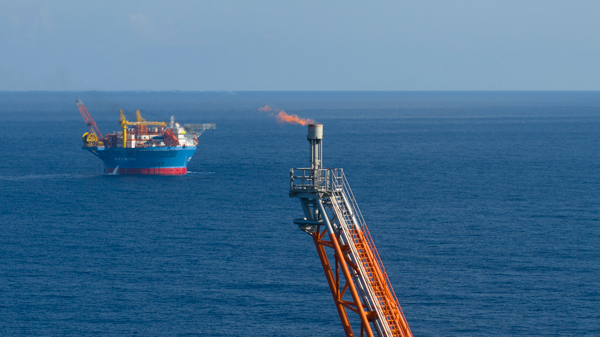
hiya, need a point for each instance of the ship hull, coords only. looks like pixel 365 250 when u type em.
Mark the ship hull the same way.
pixel 150 161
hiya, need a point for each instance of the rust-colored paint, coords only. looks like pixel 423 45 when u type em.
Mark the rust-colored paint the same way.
pixel 380 284
pixel 332 284
pixel 335 286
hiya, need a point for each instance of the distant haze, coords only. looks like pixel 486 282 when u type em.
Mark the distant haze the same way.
pixel 299 45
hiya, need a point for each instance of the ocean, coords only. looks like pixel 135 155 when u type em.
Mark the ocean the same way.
pixel 484 207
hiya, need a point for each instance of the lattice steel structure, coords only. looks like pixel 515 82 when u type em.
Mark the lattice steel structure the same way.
pixel 89 121
pixel 334 221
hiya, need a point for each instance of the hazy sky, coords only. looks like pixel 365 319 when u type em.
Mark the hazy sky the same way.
pixel 300 45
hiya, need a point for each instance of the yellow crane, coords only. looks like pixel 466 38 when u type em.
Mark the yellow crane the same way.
pixel 139 121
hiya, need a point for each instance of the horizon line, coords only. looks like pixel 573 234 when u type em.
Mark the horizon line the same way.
pixel 292 91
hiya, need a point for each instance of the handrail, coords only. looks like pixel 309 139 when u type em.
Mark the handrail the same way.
pixel 320 179
pixel 369 239
pixel 333 182
pixel 348 224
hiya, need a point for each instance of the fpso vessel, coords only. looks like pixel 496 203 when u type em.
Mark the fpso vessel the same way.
pixel 143 147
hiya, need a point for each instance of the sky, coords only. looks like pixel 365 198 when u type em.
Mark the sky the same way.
pixel 299 45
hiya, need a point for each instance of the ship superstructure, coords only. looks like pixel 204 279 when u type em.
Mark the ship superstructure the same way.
pixel 143 147
pixel 333 219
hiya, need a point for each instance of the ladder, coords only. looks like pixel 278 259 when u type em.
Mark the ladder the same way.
pixel 370 275
pixel 333 219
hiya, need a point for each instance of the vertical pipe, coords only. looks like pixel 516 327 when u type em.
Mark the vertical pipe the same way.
pixel 307 210
pixel 124 135
pixel 315 139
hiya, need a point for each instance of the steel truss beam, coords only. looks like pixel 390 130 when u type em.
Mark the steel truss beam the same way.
pixel 338 292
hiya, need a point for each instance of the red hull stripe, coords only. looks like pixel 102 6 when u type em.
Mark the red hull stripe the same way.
pixel 151 171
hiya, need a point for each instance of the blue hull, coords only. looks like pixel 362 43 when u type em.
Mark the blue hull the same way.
pixel 152 160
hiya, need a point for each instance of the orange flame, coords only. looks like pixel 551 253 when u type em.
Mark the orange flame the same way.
pixel 283 117
pixel 265 108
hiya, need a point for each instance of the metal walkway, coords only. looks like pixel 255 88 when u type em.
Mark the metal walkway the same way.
pixel 331 210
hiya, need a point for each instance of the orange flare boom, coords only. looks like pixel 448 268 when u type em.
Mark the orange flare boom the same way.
pixel 283 117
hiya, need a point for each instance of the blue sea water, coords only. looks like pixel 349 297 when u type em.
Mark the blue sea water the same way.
pixel 484 207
